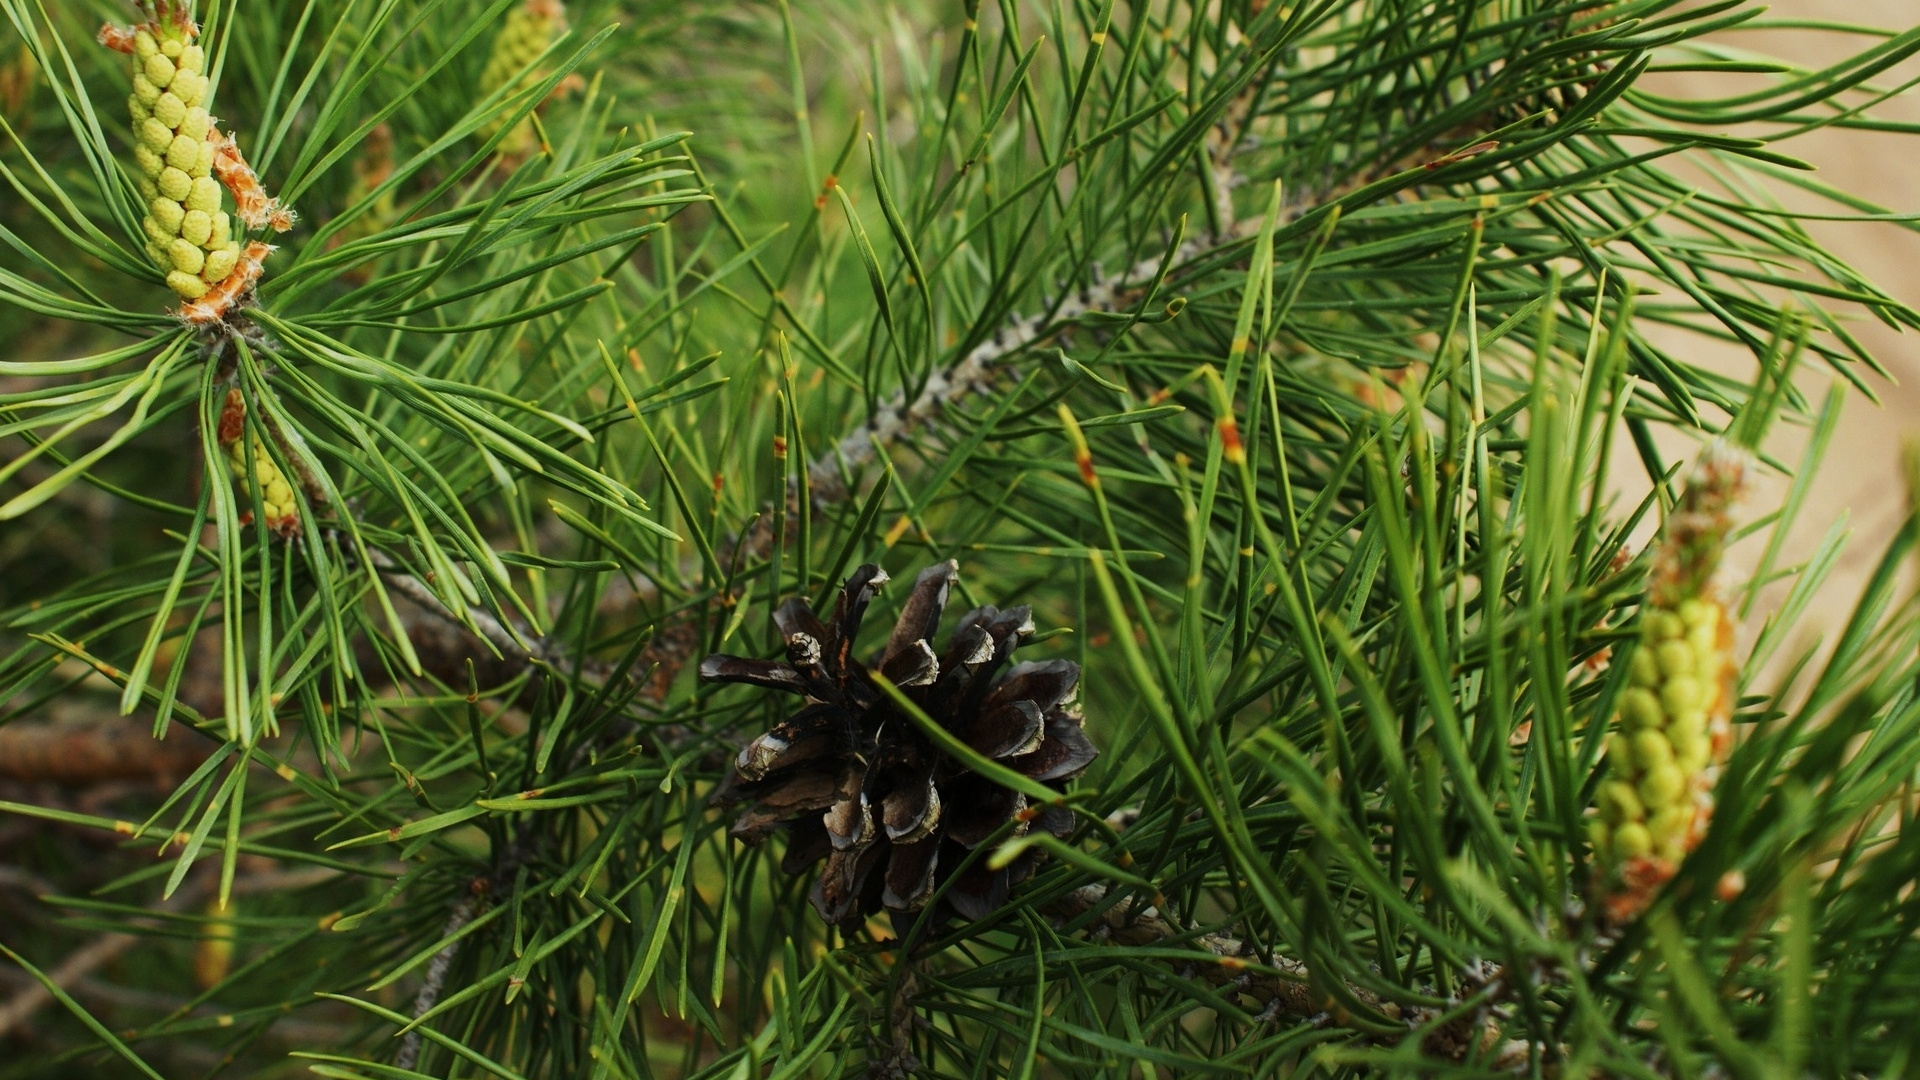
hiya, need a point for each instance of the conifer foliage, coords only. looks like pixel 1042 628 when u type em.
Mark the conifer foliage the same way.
pixel 472 588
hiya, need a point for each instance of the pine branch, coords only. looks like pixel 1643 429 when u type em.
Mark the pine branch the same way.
pixel 975 372
pixel 90 752
pixel 516 644
pixel 436 978
pixel 1289 995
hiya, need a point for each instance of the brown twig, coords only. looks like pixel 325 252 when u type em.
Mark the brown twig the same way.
pixel 87 959
pixel 983 365
pixel 1290 993
pixel 289 1030
pixel 90 753
pixel 74 973
pixel 79 964
pixel 436 979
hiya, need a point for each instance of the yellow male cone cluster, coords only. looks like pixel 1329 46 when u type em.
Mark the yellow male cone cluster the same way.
pixel 1671 717
pixel 1675 716
pixel 528 30
pixel 187 228
pixel 279 510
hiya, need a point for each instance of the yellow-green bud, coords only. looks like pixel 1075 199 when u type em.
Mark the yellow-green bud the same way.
pixel 167 214
pixel 527 32
pixel 1651 750
pixel 1640 708
pixel 1679 694
pixel 169 110
pixel 1675 658
pixel 204 195
pixel 174 184
pixel 1632 839
pixel 158 70
pixel 187 258
pixel 279 509
pixel 191 286
pixel 183 153
pixel 1691 752
pixel 1673 721
pixel 1669 829
pixel 195 123
pixel 1704 643
pixel 1619 802
pixel 1661 786
pixel 1645 668
pixel 190 87
pixel 154 135
pixel 1687 723
pixel 1619 750
pixel 196 226
pixel 185 227
pixel 221 261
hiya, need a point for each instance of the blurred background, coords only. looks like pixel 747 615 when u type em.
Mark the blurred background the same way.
pixel 1860 478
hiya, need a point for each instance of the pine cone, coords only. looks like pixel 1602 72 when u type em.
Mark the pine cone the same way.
pixel 849 777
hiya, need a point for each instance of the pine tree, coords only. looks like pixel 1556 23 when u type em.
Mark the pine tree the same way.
pixel 1233 392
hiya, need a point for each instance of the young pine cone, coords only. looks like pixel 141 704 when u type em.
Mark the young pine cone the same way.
pixel 278 509
pixel 1675 717
pixel 849 777
pixel 188 233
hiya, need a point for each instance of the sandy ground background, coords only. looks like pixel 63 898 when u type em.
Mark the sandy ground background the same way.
pixel 1860 477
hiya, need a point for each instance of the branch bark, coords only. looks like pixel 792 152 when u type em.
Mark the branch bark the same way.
pixel 1291 995
pixel 87 959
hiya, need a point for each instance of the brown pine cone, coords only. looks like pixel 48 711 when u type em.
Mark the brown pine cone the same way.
pixel 849 777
